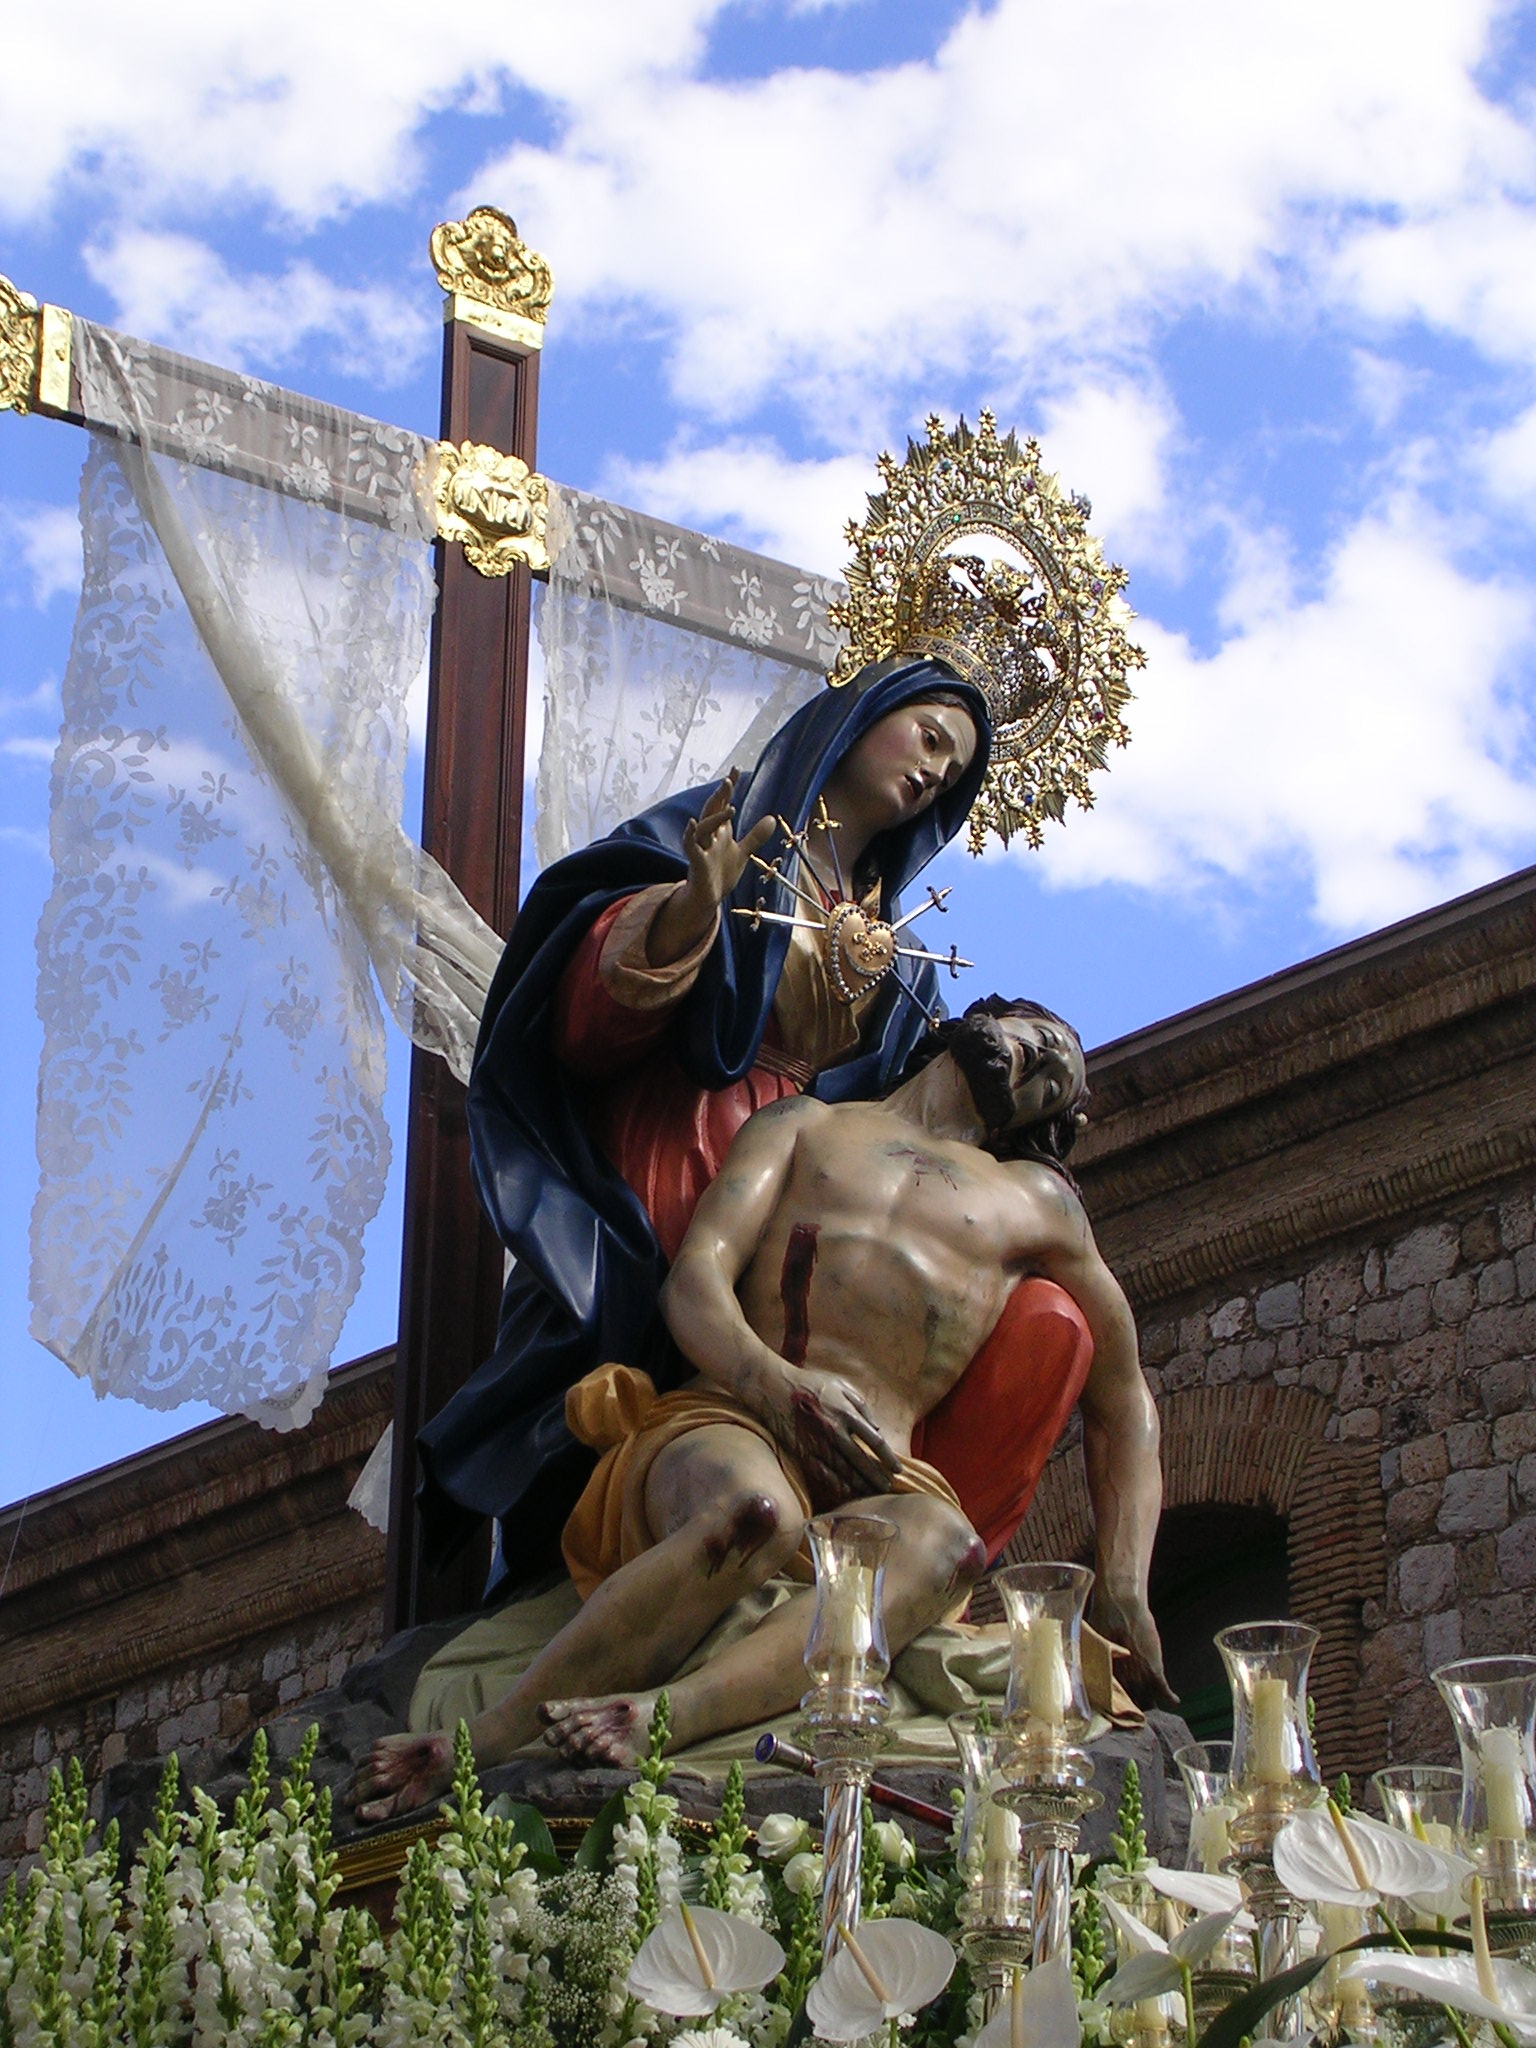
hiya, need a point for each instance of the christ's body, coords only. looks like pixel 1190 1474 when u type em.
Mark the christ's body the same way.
pixel 837 1279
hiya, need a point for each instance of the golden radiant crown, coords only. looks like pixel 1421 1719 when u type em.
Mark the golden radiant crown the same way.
pixel 1037 623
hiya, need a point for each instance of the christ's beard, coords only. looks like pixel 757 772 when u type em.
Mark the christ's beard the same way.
pixel 984 1054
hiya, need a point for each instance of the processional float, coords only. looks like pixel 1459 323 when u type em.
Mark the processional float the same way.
pixel 288 544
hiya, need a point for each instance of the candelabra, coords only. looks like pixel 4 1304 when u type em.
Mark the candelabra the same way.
pixel 995 1911
pixel 1206 1768
pixel 1046 1771
pixel 844 1711
pixel 1274 1774
pixel 1493 1704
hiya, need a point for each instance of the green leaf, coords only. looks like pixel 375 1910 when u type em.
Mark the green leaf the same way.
pixel 1241 2018
pixel 531 1829
pixel 597 1843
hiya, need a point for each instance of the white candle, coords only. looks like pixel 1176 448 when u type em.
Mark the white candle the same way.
pixel 1047 1687
pixel 1209 1842
pixel 1266 1760
pixel 1504 1782
pixel 999 1844
pixel 850 1610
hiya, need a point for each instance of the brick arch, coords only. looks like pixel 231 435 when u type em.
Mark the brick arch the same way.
pixel 1264 1446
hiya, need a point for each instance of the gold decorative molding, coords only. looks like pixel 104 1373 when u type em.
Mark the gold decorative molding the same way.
pixel 21 338
pixel 495 504
pixel 492 278
pixel 57 342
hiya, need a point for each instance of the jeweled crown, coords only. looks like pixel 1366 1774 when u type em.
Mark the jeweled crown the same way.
pixel 1042 634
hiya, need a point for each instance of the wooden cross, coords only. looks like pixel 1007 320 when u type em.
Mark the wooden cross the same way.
pixel 452 1264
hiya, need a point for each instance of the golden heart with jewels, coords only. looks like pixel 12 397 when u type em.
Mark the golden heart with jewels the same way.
pixel 861 950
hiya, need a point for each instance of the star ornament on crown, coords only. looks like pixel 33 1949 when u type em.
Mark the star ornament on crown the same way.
pixel 1034 617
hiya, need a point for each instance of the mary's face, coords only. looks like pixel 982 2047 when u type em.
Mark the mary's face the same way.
pixel 901 764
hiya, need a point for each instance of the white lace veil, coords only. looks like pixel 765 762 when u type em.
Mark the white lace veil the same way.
pixel 233 886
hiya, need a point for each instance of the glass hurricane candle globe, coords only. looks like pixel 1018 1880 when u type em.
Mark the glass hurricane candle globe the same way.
pixel 1493 1704
pixel 1273 1769
pixel 1048 1711
pixel 1422 1800
pixel 846 1653
pixel 988 1852
pixel 1206 1768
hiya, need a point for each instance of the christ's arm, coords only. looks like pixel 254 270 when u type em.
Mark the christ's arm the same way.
pixel 1120 1429
pixel 815 1414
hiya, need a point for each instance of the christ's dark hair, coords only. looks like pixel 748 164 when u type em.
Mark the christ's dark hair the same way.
pixel 1048 1140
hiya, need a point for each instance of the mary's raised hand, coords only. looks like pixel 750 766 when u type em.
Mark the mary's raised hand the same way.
pixel 717 860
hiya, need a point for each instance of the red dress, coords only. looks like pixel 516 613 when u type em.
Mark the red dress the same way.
pixel 992 1433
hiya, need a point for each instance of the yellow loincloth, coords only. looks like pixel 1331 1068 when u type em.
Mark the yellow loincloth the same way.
pixel 617 1410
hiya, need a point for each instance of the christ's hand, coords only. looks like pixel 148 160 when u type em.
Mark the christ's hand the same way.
pixel 826 1426
pixel 1127 1620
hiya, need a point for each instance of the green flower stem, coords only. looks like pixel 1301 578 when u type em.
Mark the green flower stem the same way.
pixel 1187 1978
pixel 1458 2025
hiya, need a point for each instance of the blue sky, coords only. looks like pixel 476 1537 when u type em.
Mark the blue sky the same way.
pixel 1263 279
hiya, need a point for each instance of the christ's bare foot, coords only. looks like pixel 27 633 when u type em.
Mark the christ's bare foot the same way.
pixel 615 1729
pixel 404 1771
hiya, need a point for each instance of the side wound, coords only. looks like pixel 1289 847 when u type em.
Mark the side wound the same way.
pixel 795 1290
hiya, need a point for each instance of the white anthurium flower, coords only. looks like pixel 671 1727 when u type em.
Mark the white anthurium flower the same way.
pixel 1041 2012
pixel 1486 1987
pixel 885 1970
pixel 1158 1966
pixel 1454 1981
pixel 696 1958
pixel 1332 1860
pixel 1207 1892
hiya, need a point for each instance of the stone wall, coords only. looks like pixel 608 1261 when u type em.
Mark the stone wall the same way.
pixel 197 1712
pixel 1423 1344
pixel 179 1598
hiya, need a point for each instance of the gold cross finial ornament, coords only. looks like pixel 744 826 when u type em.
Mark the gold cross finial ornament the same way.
pixel 975 556
pixel 492 277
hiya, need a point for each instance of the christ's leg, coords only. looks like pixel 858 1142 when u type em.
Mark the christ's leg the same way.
pixel 936 1556
pixel 725 1520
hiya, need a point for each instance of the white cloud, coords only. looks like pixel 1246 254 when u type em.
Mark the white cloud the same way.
pixel 22 749
pixel 828 232
pixel 843 231
pixel 1364 734
pixel 44 541
pixel 175 289
pixel 1507 461
pixel 311 108
pixel 1468 267
pixel 751 492
pixel 1112 439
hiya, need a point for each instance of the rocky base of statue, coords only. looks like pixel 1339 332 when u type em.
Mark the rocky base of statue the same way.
pixel 374 1697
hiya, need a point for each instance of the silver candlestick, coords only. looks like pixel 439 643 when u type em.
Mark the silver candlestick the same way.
pixel 1046 1771
pixel 844 1712
pixel 1274 1775
pixel 995 1923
